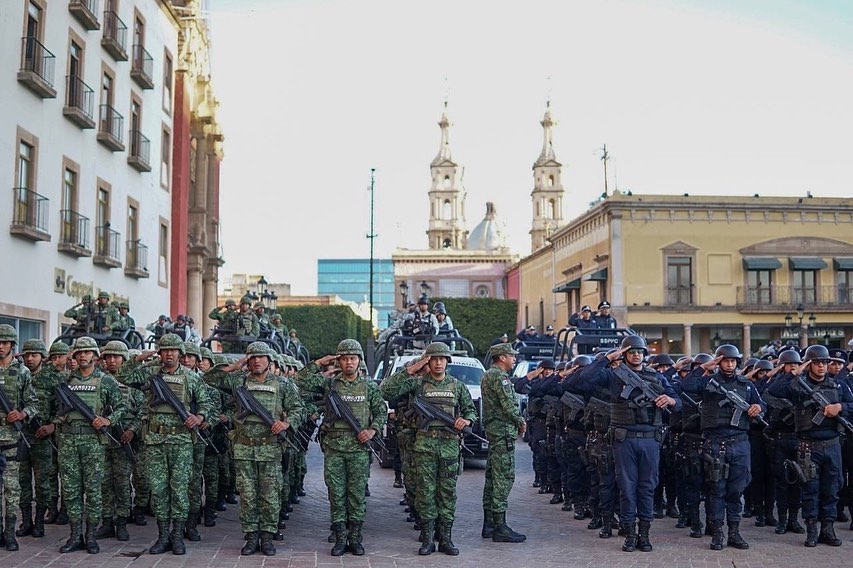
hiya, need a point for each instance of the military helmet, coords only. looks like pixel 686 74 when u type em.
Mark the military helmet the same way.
pixel 258 305
pixel 423 300
pixel 86 298
pixel 763 364
pixel 789 356
pixel 687 360
pixel 561 366
pixel 246 300
pixel 206 353
pixel 116 347
pixel 438 349
pixel 8 333
pixel 662 359
pixel 171 341
pixel 85 343
pixel 817 353
pixel 728 351
pixel 501 349
pixel 219 360
pixel 547 364
pixel 124 305
pixel 350 347
pixel 750 363
pixel 58 348
pixel 582 361
pixel 635 342
pixel 700 359
pixel 230 302
pixel 34 346
pixel 134 353
pixel 275 316
pixel 259 349
pixel 439 308
pixel 362 367
pixel 191 348
pixel 103 294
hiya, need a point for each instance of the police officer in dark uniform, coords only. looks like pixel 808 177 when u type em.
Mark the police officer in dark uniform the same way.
pixel 819 450
pixel 636 430
pixel 726 447
pixel 571 438
pixel 603 320
pixel 762 488
pixel 536 385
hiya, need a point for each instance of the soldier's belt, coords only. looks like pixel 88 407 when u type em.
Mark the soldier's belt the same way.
pixel 438 433
pixel 340 434
pixel 783 435
pixel 77 428
pixel 821 443
pixel 262 441
pixel 726 440
pixel 165 430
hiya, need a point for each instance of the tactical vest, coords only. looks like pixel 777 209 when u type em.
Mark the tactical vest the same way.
pixel 442 395
pixel 89 391
pixel 600 418
pixel 628 413
pixel 9 384
pixel 244 324
pixel 268 395
pixel 805 410
pixel 715 415
pixel 354 394
pixel 178 385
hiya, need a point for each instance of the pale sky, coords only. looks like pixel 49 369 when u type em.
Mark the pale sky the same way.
pixel 729 97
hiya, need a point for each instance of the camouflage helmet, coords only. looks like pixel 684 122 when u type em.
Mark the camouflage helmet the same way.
pixel 86 298
pixel 191 348
pixel 230 302
pixel 116 347
pixel 275 316
pixel 85 343
pixel 258 304
pixel 259 349
pixel 134 353
pixel 103 294
pixel 171 341
pixel 123 305
pixel 206 353
pixel 362 367
pixel 219 360
pixel 246 300
pixel 501 349
pixel 34 346
pixel 58 348
pixel 350 347
pixel 438 349
pixel 8 333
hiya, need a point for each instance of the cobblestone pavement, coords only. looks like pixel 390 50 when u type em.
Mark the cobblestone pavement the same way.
pixel 554 537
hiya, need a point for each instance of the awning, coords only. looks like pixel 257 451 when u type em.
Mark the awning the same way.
pixel 597 276
pixel 806 263
pixel 761 263
pixel 568 286
pixel 843 263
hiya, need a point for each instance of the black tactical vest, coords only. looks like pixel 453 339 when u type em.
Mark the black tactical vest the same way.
pixel 716 416
pixel 629 413
pixel 806 409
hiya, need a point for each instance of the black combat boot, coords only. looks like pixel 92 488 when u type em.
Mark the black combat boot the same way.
pixel 544 488
pixel 26 528
pixel 747 508
pixel 445 539
pixel 696 523
pixel 683 519
pixel 138 515
pixel 827 534
pixel 735 540
pixel 811 533
pixel 782 522
pixel 643 542
pixel 231 498
pixel 121 529
pixel 38 522
pixel 502 532
pixel 630 544
pixel 716 534
pixel 52 511
pixel 536 481
pixel 209 515
pixel 62 515
pixel 658 510
pixel 220 502
pixel 606 527
pixel 91 538
pixel 11 541
pixel 340 539
pixel 759 518
pixel 413 514
pixel 841 516
pixel 294 497
pixel 398 480
pixel 75 541
pixel 163 543
pixel 672 510
pixel 595 523
pixel 178 546
pixel 192 527
pixel 567 506
pixel 580 511
pixel 427 537
pixel 279 535
pixel 251 545
pixel 488 524
pixel 794 525
pixel 367 490
pixel 768 516
pixel 557 498
pixel 107 529
pixel 331 538
pixel 354 538
pixel 267 547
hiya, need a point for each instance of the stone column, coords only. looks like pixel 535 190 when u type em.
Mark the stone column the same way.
pixel 194 288
pixel 210 300
pixel 747 340
pixel 688 339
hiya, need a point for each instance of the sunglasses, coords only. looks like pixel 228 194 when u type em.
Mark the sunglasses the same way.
pixel 635 352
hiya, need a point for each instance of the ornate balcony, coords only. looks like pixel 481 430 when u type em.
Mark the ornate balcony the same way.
pixel 79 100
pixel 29 215
pixel 37 65
pixel 777 299
pixel 74 233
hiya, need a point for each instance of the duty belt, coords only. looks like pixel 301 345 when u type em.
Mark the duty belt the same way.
pixel 783 435
pixel 639 434
pixel 77 428
pixel 821 443
pixel 165 430
pixel 438 433
pixel 727 440
pixel 263 441
pixel 339 433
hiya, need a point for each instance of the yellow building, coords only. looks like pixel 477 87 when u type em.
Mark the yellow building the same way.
pixel 690 272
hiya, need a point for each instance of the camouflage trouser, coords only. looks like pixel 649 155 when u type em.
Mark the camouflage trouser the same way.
pixel 11 483
pixel 81 466
pixel 500 474
pixel 194 489
pixel 39 468
pixel 286 475
pixel 258 483
pixel 169 468
pixel 116 490
pixel 141 487
pixel 406 442
pixel 346 476
pixel 227 474
pixel 437 468
pixel 300 469
pixel 210 472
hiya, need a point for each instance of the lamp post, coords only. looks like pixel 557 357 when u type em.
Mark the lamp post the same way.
pixel 262 286
pixel 425 288
pixel 802 327
pixel 404 294
pixel 273 300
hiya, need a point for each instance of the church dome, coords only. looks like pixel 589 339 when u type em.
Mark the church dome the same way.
pixel 489 234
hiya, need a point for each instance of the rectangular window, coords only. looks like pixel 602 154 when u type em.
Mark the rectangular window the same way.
pixel 135 124
pixel 759 287
pixel 166 160
pixel 138 31
pixel 107 89
pixel 679 280
pixel 26 171
pixel 27 329
pixel 132 222
pixel 163 253
pixel 69 189
pixel 168 72
pixel 35 16
pixel 803 286
pixel 844 285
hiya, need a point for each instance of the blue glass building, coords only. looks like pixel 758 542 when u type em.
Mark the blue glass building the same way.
pixel 350 279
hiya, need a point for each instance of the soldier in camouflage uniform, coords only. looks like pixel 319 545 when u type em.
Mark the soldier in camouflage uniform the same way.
pixel 347 457
pixel 82 313
pixel 246 321
pixel 190 360
pixel 122 322
pixel 275 323
pixel 306 431
pixel 116 488
pixel 81 453
pixel 503 423
pixel 263 317
pixel 16 382
pixel 437 448
pixel 59 353
pixel 103 313
pixel 39 462
pixel 219 431
pixel 168 439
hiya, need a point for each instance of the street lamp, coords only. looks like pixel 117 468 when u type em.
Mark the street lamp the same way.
pixel 802 329
pixel 404 293
pixel 273 300
pixel 425 288
pixel 716 340
pixel 262 286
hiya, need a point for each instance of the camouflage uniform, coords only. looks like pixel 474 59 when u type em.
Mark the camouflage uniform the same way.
pixel 82 313
pixel 16 382
pixel 194 488
pixel 347 461
pixel 436 449
pixel 219 438
pixel 122 322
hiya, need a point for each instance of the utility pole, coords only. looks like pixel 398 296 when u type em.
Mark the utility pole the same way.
pixel 371 236
pixel 605 157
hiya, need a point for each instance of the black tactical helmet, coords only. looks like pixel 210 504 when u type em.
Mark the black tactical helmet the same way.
pixel 634 342
pixel 582 360
pixel 728 351
pixel 763 364
pixel 817 353
pixel 662 359
pixel 700 359
pixel 439 308
pixel 789 356
pixel 561 366
pixel 750 363
pixel 547 364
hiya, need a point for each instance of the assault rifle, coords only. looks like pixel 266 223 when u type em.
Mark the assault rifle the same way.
pixel 819 399
pixel 737 401
pixel 6 407
pixel 247 404
pixel 429 412
pixel 778 405
pixel 602 406
pixel 68 401
pixel 633 381
pixel 118 431
pixel 340 410
pixel 35 424
pixel 574 403
pixel 162 394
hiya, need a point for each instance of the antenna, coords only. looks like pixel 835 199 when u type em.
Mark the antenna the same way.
pixel 605 157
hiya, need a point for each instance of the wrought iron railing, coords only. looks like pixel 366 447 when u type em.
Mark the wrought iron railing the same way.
pixel 74 229
pixel 30 209
pixel 36 58
pixel 79 95
pixel 107 243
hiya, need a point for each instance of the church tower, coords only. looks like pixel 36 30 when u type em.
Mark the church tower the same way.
pixel 446 197
pixel 547 188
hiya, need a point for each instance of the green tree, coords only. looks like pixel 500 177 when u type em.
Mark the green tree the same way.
pixel 321 328
pixel 481 320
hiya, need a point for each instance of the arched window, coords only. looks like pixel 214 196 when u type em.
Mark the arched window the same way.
pixel 446 243
pixel 551 181
pixel 446 181
pixel 551 208
pixel 446 210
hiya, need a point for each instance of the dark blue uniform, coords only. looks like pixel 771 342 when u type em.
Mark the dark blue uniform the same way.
pixel 571 439
pixel 783 439
pixel 688 444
